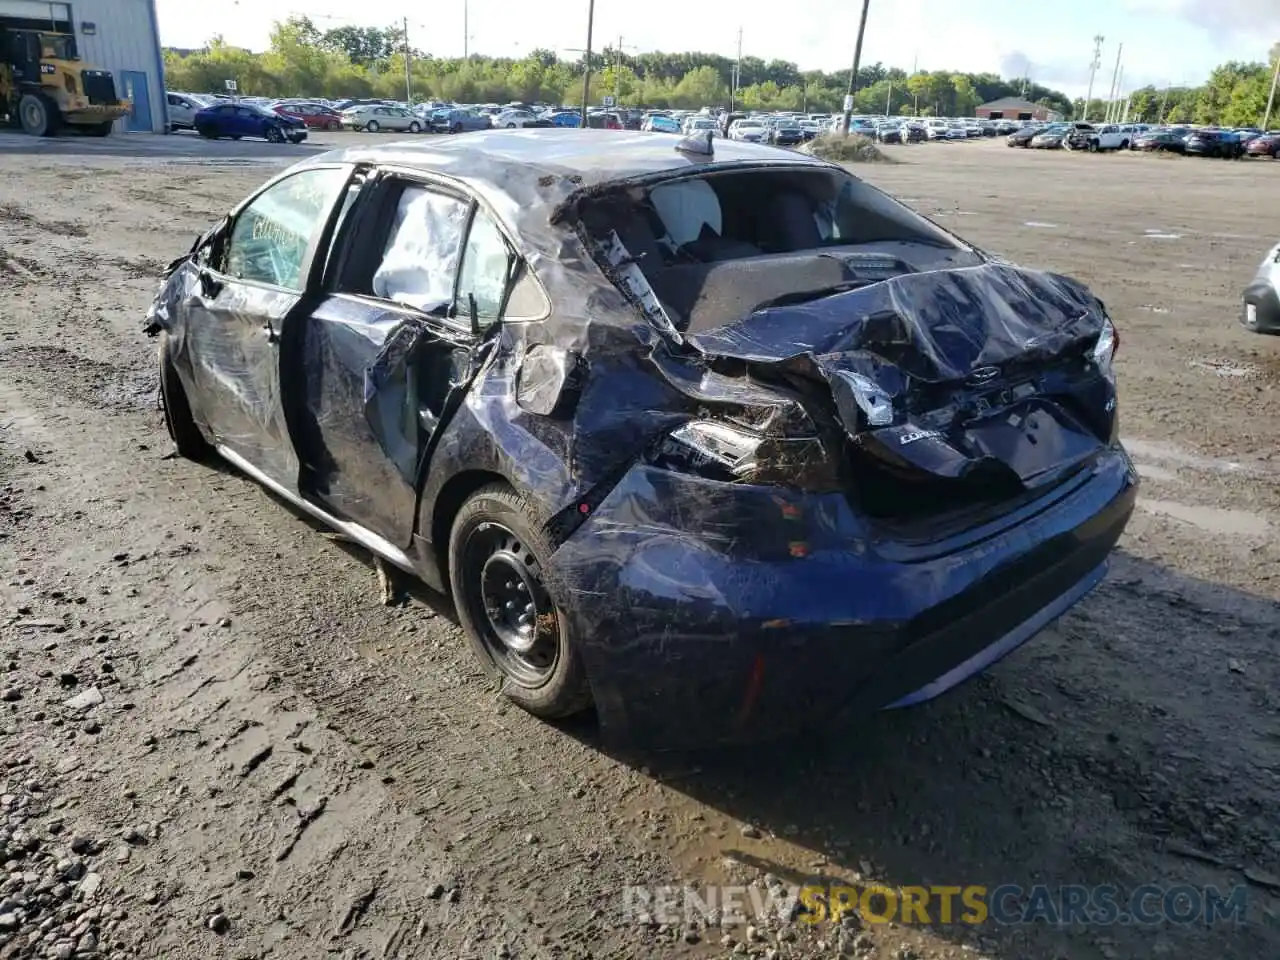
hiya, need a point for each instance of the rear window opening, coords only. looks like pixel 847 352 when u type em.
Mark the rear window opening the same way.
pixel 716 245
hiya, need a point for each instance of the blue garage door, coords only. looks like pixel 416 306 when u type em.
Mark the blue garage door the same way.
pixel 134 83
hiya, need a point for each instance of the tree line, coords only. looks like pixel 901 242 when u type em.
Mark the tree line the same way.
pixel 305 61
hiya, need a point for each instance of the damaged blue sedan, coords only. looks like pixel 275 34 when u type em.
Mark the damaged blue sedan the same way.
pixel 711 437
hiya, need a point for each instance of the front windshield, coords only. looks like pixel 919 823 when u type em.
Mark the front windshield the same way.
pixel 58 46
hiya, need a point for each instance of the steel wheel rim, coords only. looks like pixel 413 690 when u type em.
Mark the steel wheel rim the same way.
pixel 509 605
pixel 32 115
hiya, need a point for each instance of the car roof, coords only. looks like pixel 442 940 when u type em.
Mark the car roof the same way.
pixel 524 174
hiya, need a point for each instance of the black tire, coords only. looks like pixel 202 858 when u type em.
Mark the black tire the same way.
pixel 1124 144
pixel 38 115
pixel 99 129
pixel 207 132
pixel 497 549
pixel 456 128
pixel 275 134
pixel 372 126
pixel 1094 146
pixel 184 433
pixel 415 127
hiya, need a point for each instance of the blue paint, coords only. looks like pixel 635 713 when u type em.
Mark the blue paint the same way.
pixel 135 87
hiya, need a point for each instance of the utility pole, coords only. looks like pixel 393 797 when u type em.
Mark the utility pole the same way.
pixel 853 72
pixel 737 74
pixel 408 74
pixel 888 101
pixel 466 30
pixel 1115 111
pixel 1271 99
pixel 1164 102
pixel 586 74
pixel 1115 76
pixel 1093 70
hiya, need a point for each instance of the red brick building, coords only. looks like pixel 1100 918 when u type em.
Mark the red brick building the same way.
pixel 1015 108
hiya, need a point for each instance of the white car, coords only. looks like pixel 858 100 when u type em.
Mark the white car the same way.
pixel 956 131
pixel 510 119
pixel 182 109
pixel 936 129
pixel 752 130
pixel 701 124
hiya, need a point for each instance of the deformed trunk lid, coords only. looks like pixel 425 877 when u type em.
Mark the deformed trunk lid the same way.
pixel 942 371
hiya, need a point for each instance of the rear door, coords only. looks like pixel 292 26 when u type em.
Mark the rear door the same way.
pixel 240 315
pixel 392 349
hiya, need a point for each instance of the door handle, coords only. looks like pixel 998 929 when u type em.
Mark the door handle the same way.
pixel 272 336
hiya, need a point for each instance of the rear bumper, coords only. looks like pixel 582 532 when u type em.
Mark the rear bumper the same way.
pixel 719 613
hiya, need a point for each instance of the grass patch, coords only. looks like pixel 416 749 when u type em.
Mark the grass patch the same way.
pixel 851 148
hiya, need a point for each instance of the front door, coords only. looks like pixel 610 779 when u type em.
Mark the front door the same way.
pixel 235 319
pixel 135 89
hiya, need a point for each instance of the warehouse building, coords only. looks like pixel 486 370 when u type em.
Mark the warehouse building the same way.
pixel 1015 108
pixel 122 36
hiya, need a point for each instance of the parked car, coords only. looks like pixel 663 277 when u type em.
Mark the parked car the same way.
pixel 1022 137
pixel 786 132
pixel 182 109
pixel 314 115
pixel 719 443
pixel 1169 141
pixel 1260 309
pixel 373 118
pixel 749 129
pixel 1264 145
pixel 603 121
pixel 1108 136
pixel 236 120
pixel 914 132
pixel 1213 143
pixel 657 123
pixel 510 119
pixel 1050 137
pixel 564 118
pixel 458 120
pixel 889 132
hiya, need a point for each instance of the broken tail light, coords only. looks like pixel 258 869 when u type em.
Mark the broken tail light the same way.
pixel 1104 351
pixel 715 450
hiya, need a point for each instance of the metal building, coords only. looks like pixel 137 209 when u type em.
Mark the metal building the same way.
pixel 122 36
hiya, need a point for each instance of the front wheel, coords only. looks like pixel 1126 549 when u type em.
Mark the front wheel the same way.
pixel 38 116
pixel 498 555
pixel 207 132
pixel 415 127
pixel 372 126
pixel 456 128
pixel 511 126
pixel 184 433
pixel 1094 146
pixel 99 129
pixel 275 135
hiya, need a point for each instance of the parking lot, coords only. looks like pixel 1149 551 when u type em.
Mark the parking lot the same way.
pixel 329 774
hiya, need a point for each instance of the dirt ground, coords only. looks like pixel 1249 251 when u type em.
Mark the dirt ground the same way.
pixel 261 759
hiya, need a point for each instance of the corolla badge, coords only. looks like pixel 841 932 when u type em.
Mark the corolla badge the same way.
pixel 984 374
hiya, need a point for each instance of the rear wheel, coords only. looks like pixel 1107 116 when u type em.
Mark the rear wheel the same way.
pixel 207 132
pixel 372 126
pixel 497 558
pixel 186 436
pixel 38 115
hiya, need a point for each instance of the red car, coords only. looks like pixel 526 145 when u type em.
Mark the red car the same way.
pixel 1267 145
pixel 313 115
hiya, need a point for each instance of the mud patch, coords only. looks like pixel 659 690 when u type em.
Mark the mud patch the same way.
pixel 80 378
pixel 12 213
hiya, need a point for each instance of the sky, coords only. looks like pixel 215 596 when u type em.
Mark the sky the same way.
pixel 1165 41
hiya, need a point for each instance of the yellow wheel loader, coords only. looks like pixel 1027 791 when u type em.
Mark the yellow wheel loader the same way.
pixel 44 87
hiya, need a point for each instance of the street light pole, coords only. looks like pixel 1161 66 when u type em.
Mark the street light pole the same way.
pixel 586 75
pixel 1093 70
pixel 408 75
pixel 1271 99
pixel 853 72
pixel 466 30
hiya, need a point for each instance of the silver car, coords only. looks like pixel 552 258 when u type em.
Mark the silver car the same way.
pixel 374 117
pixel 1260 311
